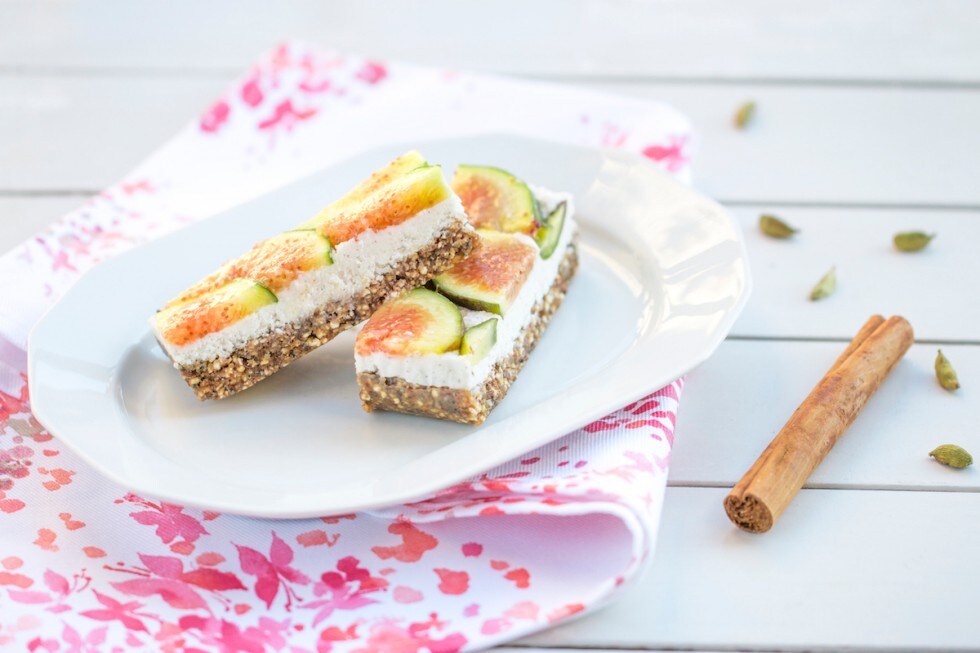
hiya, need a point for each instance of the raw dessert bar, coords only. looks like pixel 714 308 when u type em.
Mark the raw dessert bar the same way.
pixel 451 351
pixel 295 291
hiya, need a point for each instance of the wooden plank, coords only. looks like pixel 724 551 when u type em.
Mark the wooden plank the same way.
pixel 843 568
pixel 739 399
pixel 878 40
pixel 843 145
pixel 874 145
pixel 22 217
pixel 929 288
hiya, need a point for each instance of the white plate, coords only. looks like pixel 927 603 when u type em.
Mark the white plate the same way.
pixel 663 276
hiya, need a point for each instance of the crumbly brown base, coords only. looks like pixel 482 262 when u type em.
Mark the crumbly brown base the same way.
pixel 246 366
pixel 466 406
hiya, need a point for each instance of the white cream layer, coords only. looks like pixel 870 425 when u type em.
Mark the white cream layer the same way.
pixel 454 370
pixel 356 264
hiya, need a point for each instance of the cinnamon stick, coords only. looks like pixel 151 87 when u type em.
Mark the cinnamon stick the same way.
pixel 761 496
pixel 869 327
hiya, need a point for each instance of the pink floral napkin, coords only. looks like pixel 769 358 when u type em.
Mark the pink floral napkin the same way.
pixel 87 566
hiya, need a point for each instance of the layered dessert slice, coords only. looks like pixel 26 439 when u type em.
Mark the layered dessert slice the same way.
pixel 451 351
pixel 295 291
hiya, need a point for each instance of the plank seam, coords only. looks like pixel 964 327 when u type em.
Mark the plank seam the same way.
pixel 225 72
pixel 726 648
pixel 850 487
pixel 730 202
pixel 835 339
pixel 832 204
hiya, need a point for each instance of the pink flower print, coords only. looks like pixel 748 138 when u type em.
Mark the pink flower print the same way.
pixel 286 116
pixel 56 583
pixel 602 425
pixel 212 579
pixel 14 464
pixel 613 136
pixel 252 93
pixel 626 472
pixel 45 539
pixel 58 254
pixel 41 644
pixel 17 580
pixel 170 520
pixel 347 588
pixel 452 582
pixel 137 186
pixel 273 571
pixel 175 586
pixel 219 634
pixel 313 85
pixel 386 637
pixel 215 117
pixel 269 632
pixel 11 405
pixel 372 72
pixel 317 537
pixel 670 156
pixel 413 546
pixel 520 577
pixel 564 612
pixel 175 593
pixel 91 643
pixel 333 634
pixel 113 610
pixel 523 610
pixel 404 594
pixel 77 246
pixel 60 590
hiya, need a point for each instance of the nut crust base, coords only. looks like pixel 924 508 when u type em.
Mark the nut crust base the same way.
pixel 470 406
pixel 263 356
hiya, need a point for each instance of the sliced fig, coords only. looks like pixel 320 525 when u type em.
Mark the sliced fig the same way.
pixel 550 232
pixel 495 199
pixel 419 322
pixel 479 339
pixel 274 263
pixel 212 311
pixel 491 277
pixel 391 203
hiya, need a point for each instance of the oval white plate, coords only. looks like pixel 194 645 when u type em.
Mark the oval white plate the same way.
pixel 663 276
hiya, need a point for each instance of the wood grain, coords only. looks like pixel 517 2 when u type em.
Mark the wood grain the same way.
pixel 87 131
pixel 877 40
pixel 926 287
pixel 737 401
pixel 865 571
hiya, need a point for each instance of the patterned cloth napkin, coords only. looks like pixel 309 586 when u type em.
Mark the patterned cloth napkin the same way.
pixel 86 565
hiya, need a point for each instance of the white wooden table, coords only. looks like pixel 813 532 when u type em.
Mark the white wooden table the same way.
pixel 868 123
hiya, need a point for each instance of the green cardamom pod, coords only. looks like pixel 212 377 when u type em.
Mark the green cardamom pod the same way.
pixel 952 456
pixel 912 241
pixel 744 115
pixel 773 227
pixel 945 372
pixel 825 287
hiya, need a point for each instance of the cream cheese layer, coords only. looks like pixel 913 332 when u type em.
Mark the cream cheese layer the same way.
pixel 454 370
pixel 356 264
